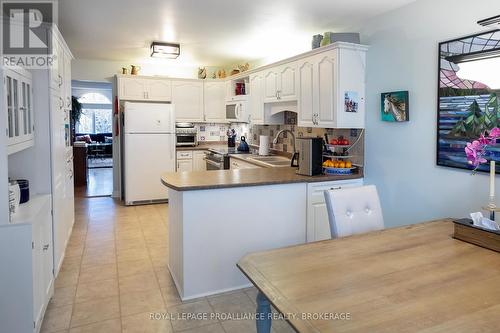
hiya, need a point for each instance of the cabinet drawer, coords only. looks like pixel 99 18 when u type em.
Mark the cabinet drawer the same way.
pixel 319 188
pixel 239 164
pixel 184 155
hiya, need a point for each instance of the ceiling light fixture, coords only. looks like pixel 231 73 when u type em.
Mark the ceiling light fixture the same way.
pixel 165 50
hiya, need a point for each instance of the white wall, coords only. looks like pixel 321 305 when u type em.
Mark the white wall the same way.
pixel 401 158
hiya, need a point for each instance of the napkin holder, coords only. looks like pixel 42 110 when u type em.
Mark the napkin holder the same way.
pixel 466 231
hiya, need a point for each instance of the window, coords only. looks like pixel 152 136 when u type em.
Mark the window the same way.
pixel 96 115
pixel 95 121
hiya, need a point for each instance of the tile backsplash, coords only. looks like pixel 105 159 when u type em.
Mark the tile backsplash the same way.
pixel 217 132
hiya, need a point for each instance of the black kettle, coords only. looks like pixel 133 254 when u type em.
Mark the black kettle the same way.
pixel 243 145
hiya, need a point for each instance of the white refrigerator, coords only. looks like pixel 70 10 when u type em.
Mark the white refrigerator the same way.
pixel 148 149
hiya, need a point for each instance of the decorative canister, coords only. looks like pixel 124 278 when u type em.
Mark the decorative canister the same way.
pixel 326 39
pixel 24 186
pixel 316 41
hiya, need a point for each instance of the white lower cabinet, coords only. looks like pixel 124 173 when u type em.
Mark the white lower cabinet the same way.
pixel 184 165
pixel 26 252
pixel 191 160
pixel 199 163
pixel 318 227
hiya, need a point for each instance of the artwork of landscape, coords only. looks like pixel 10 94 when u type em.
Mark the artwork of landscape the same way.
pixel 466 108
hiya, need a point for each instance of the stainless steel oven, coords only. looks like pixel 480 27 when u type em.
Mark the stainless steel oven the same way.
pixel 216 161
pixel 186 134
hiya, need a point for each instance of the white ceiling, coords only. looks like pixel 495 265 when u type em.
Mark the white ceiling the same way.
pixel 211 32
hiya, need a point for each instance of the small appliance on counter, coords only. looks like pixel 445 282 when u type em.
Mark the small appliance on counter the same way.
pixel 243 147
pixel 310 156
pixel 264 145
pixel 186 134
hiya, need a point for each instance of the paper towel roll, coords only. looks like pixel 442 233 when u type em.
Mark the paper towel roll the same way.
pixel 264 145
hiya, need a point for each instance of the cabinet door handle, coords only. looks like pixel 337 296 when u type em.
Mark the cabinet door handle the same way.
pixel 46 247
pixel 60 80
pixel 335 188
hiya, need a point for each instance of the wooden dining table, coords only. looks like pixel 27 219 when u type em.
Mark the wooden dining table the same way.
pixel 414 278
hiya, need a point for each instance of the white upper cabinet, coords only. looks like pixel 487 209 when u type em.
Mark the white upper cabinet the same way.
pixel 324 114
pixel 132 88
pixel 280 83
pixel 324 81
pixel 19 106
pixel 287 82
pixel 144 89
pixel 256 98
pixel 187 97
pixel 270 85
pixel 214 105
pixel 158 89
pixel 56 75
pixel 306 91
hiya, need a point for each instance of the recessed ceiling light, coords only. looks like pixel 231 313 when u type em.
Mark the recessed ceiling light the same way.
pixel 165 50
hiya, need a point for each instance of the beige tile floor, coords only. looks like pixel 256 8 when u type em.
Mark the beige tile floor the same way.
pixel 114 275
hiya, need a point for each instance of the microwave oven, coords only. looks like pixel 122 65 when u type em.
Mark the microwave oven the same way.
pixel 237 111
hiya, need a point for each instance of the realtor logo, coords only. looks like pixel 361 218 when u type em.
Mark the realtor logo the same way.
pixel 26 33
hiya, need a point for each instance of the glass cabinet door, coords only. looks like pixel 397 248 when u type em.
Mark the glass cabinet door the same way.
pixel 29 109
pixel 10 112
pixel 23 108
pixel 19 103
pixel 15 89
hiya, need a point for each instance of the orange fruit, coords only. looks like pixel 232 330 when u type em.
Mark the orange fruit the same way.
pixel 348 164
pixel 342 164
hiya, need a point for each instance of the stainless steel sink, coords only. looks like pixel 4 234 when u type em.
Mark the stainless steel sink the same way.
pixel 271 161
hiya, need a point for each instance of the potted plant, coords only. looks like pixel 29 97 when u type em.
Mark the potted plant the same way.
pixel 76 112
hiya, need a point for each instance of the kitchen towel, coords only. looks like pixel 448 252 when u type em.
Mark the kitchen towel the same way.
pixel 264 145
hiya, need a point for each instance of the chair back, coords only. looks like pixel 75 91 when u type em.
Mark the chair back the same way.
pixel 353 210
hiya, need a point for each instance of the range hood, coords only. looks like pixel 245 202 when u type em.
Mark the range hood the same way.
pixel 280 107
pixel 274 113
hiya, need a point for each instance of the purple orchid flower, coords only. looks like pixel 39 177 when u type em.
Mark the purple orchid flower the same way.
pixel 476 150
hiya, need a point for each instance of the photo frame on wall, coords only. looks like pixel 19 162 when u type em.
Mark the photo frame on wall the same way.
pixel 395 106
pixel 351 101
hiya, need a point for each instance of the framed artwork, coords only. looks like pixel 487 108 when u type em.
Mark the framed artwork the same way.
pixel 394 106
pixel 351 101
pixel 467 104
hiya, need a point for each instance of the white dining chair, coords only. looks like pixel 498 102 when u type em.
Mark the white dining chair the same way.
pixel 353 210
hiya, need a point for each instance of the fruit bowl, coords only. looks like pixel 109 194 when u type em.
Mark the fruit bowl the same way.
pixel 338 171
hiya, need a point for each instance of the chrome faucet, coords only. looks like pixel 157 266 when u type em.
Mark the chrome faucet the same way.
pixel 275 141
pixel 295 155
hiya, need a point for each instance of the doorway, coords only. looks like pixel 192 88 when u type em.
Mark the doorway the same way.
pixel 93 138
